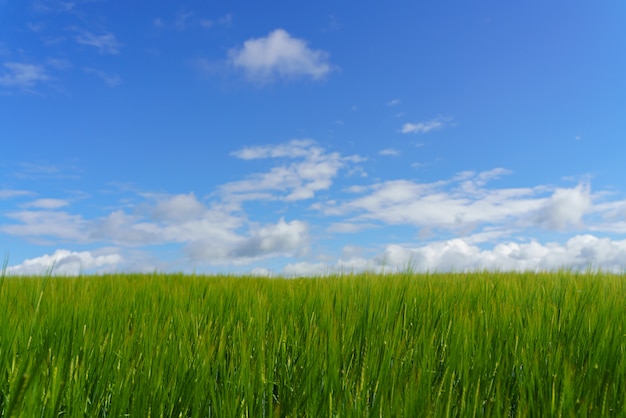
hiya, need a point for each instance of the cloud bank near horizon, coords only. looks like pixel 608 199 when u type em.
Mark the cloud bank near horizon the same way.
pixel 463 222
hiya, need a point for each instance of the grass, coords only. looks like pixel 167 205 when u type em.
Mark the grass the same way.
pixel 473 344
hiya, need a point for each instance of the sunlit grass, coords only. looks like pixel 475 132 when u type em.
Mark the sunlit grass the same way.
pixel 473 344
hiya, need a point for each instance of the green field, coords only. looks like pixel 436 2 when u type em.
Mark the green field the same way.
pixel 472 344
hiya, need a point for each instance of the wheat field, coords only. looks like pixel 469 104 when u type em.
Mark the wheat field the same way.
pixel 355 345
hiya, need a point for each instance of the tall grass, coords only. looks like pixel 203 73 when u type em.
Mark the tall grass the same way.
pixel 475 344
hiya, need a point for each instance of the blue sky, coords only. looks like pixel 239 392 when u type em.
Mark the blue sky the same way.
pixel 303 138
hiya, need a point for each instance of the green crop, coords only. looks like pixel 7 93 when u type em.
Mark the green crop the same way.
pixel 468 345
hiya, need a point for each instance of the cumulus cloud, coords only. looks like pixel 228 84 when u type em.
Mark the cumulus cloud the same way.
pixel 279 55
pixel 178 209
pixel 465 213
pixel 580 252
pixel 566 207
pixel 282 238
pixel 21 75
pixel 208 234
pixel 70 263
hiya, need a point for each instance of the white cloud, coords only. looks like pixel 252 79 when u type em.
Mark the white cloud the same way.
pixel 297 181
pixel 281 239
pixel 422 127
pixel 105 43
pixel 123 229
pixel 178 209
pixel 579 253
pixel 292 149
pixel 463 204
pixel 348 227
pixel 566 207
pixel 10 193
pixel 389 152
pixel 279 55
pixel 46 204
pixel 393 102
pixel 45 223
pixel 111 80
pixel 285 238
pixel 189 19
pixel 22 75
pixel 70 263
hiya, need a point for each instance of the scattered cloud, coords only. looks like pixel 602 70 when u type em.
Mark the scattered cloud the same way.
pixel 293 149
pixel 462 222
pixel 389 152
pixel 182 19
pixel 111 80
pixel 22 75
pixel 49 224
pixel 11 193
pixel 423 127
pixel 463 204
pixel 393 102
pixel 187 20
pixel 105 43
pixel 40 171
pixel 54 6
pixel 279 55
pixel 46 204
pixel 314 171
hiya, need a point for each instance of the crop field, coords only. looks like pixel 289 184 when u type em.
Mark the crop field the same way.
pixel 465 344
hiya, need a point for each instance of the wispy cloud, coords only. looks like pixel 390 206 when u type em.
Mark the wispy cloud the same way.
pixel 389 152
pixel 279 55
pixel 22 75
pixel 48 224
pixel 393 102
pixel 314 171
pixel 39 171
pixel 54 6
pixel 423 127
pixel 111 80
pixel 188 20
pixel 11 193
pixel 105 43
pixel 46 204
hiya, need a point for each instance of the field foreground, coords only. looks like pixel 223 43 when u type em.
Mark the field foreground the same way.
pixel 475 344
